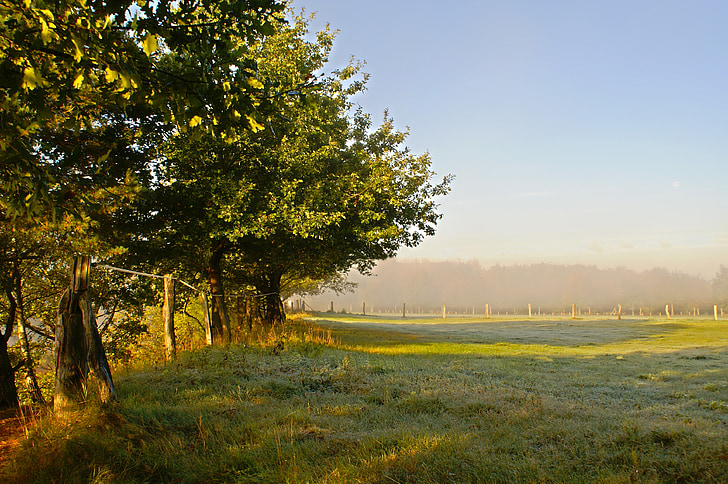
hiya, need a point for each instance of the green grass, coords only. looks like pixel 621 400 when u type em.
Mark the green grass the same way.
pixel 371 400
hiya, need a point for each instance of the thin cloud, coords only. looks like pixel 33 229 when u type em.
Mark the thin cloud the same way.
pixel 596 247
pixel 533 194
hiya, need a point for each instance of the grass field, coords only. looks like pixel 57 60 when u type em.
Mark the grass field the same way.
pixel 347 399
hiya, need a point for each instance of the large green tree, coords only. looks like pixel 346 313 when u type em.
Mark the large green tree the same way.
pixel 383 198
pixel 316 192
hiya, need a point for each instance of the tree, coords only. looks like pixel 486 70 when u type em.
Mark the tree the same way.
pixel 211 190
pixel 63 63
pixel 720 285
pixel 311 196
pixel 383 201
pixel 8 392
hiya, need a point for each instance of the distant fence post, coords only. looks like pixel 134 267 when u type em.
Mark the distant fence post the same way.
pixel 715 312
pixel 573 311
pixel 404 310
pixel 364 308
pixel 667 310
pixel 168 316
pixel 444 312
pixel 487 310
pixel 530 315
pixel 619 313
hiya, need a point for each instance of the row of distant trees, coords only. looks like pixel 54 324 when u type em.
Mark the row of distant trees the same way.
pixel 464 286
pixel 199 139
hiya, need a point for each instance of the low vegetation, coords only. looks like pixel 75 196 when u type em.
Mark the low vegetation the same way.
pixel 363 399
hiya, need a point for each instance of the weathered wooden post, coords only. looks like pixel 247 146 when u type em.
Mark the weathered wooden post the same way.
pixel 619 313
pixel 78 348
pixel 667 311
pixel 529 310
pixel 444 312
pixel 404 310
pixel 487 311
pixel 208 322
pixel 715 312
pixel 573 311
pixel 364 309
pixel 170 344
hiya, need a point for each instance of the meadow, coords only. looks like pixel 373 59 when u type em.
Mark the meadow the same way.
pixel 352 399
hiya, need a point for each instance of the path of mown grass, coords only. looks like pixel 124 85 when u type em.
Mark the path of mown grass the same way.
pixel 414 401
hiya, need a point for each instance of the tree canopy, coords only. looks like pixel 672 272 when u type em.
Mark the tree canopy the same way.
pixel 64 64
pixel 318 191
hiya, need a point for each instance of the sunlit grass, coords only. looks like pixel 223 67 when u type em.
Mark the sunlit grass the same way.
pixel 369 400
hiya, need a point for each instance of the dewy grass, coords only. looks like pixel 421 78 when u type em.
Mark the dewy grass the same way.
pixel 371 400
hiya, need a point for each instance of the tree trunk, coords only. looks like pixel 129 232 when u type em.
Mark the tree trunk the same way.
pixel 272 306
pixel 250 311
pixel 8 392
pixel 31 382
pixel 78 347
pixel 220 319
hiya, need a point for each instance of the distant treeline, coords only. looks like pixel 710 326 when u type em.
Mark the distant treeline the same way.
pixel 424 286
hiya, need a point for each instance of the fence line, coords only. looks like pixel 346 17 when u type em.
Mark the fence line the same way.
pixel 145 274
pixel 157 276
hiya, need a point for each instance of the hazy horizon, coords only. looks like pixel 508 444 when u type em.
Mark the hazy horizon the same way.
pixel 467 284
pixel 578 132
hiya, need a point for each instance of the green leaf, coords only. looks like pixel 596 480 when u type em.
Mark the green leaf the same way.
pixel 111 74
pixel 254 125
pixel 31 78
pixel 78 82
pixel 150 44
pixel 254 83
pixel 78 48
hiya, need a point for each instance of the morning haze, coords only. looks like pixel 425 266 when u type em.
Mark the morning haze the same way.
pixel 465 287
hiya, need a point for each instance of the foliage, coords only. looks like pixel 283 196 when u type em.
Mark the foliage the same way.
pixel 317 192
pixel 66 63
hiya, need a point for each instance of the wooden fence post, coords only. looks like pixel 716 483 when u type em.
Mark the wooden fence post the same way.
pixel 444 312
pixel 487 311
pixel 715 312
pixel 364 309
pixel 208 322
pixel 573 311
pixel 667 311
pixel 619 314
pixel 404 310
pixel 529 310
pixel 170 344
pixel 78 348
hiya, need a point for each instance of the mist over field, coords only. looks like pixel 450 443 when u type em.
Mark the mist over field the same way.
pixel 463 285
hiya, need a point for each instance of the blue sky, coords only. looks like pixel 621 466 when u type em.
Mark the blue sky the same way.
pixel 578 131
